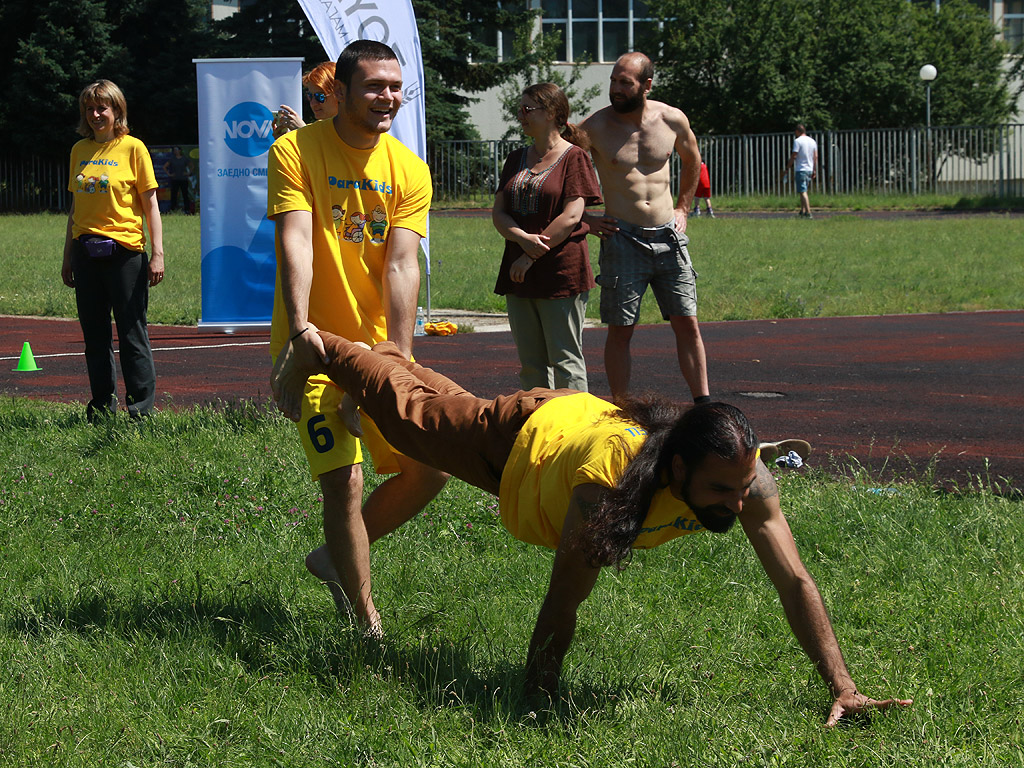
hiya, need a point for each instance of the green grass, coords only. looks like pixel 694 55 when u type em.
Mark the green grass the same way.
pixel 772 268
pixel 749 268
pixel 848 202
pixel 870 202
pixel 32 249
pixel 154 612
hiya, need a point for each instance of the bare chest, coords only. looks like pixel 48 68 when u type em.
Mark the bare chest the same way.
pixel 647 150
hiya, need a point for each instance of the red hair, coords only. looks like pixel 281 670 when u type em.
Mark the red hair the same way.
pixel 321 76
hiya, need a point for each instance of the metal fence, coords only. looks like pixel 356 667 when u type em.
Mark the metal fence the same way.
pixel 467 170
pixel 29 184
pixel 970 160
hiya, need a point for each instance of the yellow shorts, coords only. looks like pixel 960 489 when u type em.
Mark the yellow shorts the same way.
pixel 328 443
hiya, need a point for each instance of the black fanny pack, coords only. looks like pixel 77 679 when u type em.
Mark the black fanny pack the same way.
pixel 97 246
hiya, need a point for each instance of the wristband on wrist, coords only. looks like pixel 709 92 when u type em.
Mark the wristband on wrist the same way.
pixel 293 338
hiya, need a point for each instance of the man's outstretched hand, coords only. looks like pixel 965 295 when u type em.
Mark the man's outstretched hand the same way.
pixel 299 359
pixel 853 703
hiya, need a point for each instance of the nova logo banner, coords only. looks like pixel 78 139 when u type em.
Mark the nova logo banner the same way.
pixel 249 129
pixel 237 101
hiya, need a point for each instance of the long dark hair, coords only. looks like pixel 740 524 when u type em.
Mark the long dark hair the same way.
pixel 690 433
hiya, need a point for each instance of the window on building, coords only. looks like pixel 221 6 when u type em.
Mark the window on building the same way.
pixel 985 5
pixel 1013 23
pixel 601 30
pixel 502 40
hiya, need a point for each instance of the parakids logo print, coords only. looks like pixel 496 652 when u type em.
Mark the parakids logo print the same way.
pixel 249 129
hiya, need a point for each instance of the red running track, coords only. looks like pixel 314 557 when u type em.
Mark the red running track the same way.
pixel 898 394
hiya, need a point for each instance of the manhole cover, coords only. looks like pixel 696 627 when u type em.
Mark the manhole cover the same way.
pixel 762 395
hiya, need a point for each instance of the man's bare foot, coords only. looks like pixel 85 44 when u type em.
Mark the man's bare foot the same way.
pixel 318 563
pixel 349 413
pixel 771 451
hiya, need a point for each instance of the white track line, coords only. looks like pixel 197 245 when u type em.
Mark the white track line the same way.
pixel 155 349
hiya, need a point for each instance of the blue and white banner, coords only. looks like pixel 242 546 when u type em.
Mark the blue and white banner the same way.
pixel 237 100
pixel 392 22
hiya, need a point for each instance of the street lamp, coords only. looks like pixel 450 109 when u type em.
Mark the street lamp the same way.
pixel 928 73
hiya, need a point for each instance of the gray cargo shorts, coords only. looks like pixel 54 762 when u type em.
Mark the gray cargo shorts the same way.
pixel 635 257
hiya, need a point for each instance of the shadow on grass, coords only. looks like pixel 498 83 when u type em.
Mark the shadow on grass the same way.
pixel 264 633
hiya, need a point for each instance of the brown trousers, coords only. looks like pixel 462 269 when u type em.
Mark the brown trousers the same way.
pixel 430 418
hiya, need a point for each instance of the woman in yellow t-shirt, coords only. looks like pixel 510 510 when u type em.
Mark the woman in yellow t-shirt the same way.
pixel 113 204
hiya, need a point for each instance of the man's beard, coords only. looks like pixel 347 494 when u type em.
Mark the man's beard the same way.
pixel 716 518
pixel 627 103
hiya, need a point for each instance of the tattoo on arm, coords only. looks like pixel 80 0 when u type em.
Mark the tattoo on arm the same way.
pixel 764 486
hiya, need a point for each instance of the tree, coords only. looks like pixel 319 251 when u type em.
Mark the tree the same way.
pixel 542 50
pixel 268 28
pixel 160 38
pixel 55 57
pixel 145 46
pixel 972 87
pixel 754 66
pixel 458 38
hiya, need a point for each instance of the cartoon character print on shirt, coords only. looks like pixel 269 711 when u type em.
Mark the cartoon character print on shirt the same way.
pixel 378 226
pixel 80 181
pixel 338 214
pixel 90 184
pixel 104 183
pixel 354 234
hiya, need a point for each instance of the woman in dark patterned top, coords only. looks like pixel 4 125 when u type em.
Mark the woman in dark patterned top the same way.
pixel 545 272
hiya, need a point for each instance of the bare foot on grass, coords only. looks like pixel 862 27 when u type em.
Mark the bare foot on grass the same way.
pixel 318 563
pixel 771 451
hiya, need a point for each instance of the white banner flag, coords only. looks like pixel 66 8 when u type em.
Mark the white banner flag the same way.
pixel 237 100
pixel 392 22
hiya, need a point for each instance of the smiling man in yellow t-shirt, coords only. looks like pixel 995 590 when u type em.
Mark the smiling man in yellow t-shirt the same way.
pixel 325 181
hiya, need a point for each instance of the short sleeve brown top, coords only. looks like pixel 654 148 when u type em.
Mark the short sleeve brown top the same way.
pixel 534 200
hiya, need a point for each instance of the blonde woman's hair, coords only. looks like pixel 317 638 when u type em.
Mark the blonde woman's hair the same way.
pixel 107 93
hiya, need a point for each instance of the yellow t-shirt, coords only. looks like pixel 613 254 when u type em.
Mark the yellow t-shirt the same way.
pixel 569 441
pixel 107 181
pixel 356 196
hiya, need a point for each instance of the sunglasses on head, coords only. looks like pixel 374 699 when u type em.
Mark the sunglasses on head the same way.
pixel 319 97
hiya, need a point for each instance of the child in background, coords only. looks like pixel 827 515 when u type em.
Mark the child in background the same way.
pixel 703 190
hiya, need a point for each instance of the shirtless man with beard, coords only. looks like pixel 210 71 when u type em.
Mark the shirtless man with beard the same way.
pixel 643 233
